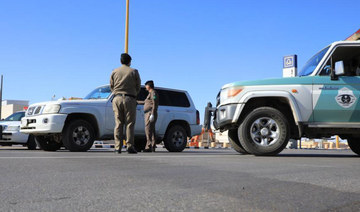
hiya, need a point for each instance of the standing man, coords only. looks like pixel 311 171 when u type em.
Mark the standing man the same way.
pixel 125 84
pixel 150 110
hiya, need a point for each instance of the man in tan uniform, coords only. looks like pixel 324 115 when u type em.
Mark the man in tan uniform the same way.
pixel 150 110
pixel 125 84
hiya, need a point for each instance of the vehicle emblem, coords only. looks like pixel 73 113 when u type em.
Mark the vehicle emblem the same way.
pixel 345 98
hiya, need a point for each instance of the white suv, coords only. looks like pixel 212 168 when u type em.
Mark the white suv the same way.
pixel 75 124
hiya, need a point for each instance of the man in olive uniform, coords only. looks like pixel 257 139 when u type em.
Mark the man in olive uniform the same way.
pixel 125 84
pixel 150 110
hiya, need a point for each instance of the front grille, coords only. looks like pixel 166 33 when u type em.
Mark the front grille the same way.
pixel 6 139
pixel 31 121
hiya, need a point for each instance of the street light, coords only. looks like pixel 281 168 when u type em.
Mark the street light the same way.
pixel 127 28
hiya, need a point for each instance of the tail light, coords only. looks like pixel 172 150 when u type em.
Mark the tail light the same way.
pixel 197 117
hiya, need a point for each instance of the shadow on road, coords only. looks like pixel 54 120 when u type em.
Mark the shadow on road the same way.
pixel 228 152
pixel 312 155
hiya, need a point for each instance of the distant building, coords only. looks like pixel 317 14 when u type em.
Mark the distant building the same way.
pixel 11 106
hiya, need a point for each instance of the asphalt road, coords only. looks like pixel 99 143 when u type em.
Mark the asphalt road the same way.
pixel 194 180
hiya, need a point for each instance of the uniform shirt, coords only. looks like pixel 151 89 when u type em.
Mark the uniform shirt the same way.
pixel 125 80
pixel 151 102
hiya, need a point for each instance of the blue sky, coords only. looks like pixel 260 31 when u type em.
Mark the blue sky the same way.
pixel 69 47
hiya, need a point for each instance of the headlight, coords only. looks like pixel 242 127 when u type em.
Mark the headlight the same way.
pixel 4 127
pixel 13 128
pixel 53 108
pixel 231 92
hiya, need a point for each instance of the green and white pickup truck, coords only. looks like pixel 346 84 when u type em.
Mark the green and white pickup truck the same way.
pixel 322 101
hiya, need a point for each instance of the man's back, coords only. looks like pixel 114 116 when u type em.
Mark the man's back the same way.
pixel 125 80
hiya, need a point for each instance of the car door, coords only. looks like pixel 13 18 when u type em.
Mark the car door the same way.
pixel 140 123
pixel 165 114
pixel 110 119
pixel 336 101
pixel 174 105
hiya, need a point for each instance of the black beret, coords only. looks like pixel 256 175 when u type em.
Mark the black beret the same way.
pixel 150 83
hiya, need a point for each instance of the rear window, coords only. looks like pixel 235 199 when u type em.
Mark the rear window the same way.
pixel 173 98
pixel 167 98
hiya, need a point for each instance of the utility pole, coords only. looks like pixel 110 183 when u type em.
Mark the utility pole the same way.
pixel 1 91
pixel 127 28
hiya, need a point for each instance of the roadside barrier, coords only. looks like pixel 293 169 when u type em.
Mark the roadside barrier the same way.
pixel 321 145
pixel 217 145
pixel 190 145
pixel 206 145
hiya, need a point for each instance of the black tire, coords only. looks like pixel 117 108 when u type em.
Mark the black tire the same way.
pixel 31 143
pixel 235 143
pixel 140 144
pixel 175 139
pixel 85 136
pixel 354 144
pixel 47 144
pixel 266 123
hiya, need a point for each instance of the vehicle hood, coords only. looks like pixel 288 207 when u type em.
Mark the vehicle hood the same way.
pixel 10 123
pixel 64 103
pixel 274 81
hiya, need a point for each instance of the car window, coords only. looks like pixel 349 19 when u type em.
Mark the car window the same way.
pixel 99 93
pixel 15 117
pixel 313 62
pixel 142 94
pixel 164 99
pixel 326 71
pixel 173 98
pixel 350 56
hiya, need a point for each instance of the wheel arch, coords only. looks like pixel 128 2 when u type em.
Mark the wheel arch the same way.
pixel 282 103
pixel 183 123
pixel 87 117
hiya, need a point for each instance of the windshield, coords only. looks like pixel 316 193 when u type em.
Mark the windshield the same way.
pixel 15 117
pixel 312 63
pixel 99 93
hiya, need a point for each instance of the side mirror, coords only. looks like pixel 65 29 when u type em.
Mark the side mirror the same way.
pixel 339 68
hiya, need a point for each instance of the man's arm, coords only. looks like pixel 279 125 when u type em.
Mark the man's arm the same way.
pixel 138 81
pixel 112 82
pixel 154 99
